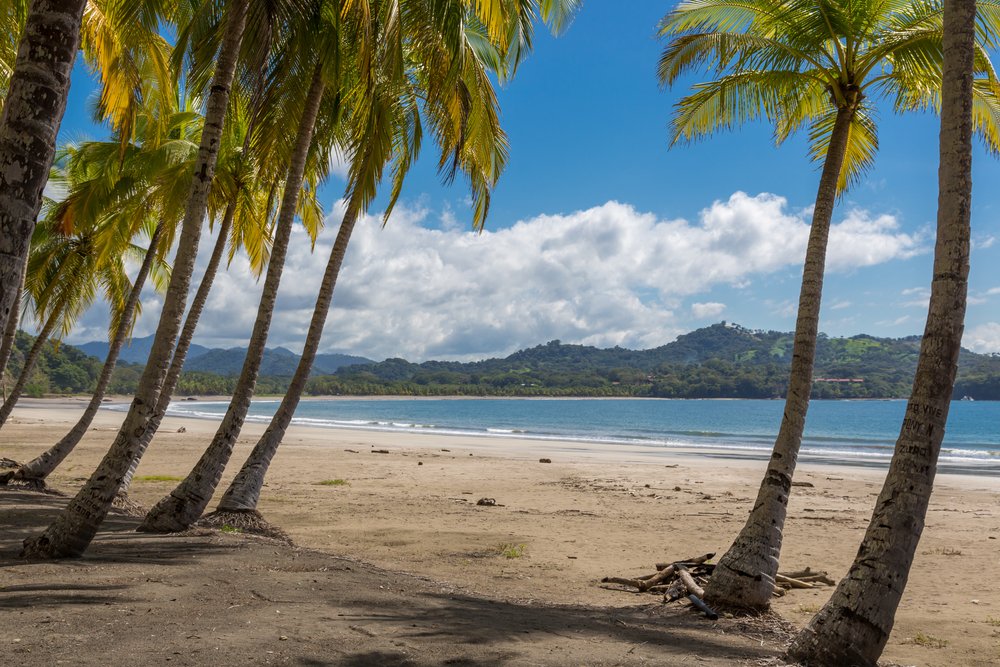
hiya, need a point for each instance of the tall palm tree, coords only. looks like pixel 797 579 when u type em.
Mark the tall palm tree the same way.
pixel 185 504
pixel 820 63
pixel 245 187
pixel 854 626
pixel 76 526
pixel 32 112
pixel 481 156
pixel 36 84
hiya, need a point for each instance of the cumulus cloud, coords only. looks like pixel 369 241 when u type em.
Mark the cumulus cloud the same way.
pixel 609 275
pixel 703 311
pixel 984 338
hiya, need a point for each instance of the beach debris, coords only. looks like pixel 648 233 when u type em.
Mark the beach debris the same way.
pixel 182 430
pixel 352 451
pixel 445 450
pixel 685 579
pixel 487 502
pixel 380 451
pixel 545 460
pixel 420 463
pixel 808 485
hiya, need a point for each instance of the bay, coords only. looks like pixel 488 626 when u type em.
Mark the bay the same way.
pixel 842 432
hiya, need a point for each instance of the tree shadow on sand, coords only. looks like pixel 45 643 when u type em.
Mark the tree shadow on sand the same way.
pixel 24 514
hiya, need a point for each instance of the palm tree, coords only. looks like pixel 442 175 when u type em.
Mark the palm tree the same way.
pixel 819 63
pixel 69 264
pixel 32 112
pixel 185 504
pixel 245 187
pixel 35 471
pixel 10 331
pixel 481 156
pixel 854 626
pixel 36 85
pixel 76 526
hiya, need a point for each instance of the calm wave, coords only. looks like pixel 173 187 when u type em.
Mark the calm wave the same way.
pixel 862 432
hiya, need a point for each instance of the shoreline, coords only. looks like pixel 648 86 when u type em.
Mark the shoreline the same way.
pixel 620 448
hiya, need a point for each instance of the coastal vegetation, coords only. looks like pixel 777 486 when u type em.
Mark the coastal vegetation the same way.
pixel 200 131
pixel 720 361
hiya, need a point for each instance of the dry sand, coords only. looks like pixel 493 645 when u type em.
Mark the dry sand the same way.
pixel 425 582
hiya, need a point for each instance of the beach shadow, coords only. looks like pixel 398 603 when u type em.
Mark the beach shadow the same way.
pixel 466 620
pixel 24 514
pixel 20 596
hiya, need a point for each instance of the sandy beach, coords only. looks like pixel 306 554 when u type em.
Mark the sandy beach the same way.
pixel 411 515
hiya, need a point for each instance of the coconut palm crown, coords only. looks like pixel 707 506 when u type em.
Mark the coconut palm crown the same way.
pixel 794 63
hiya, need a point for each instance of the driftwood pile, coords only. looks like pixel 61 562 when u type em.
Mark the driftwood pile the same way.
pixel 686 578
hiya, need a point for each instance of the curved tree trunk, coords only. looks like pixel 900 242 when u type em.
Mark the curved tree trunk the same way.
pixel 244 492
pixel 30 360
pixel 74 529
pixel 32 113
pixel 854 626
pixel 42 466
pixel 10 331
pixel 186 503
pixel 744 576
pixel 183 343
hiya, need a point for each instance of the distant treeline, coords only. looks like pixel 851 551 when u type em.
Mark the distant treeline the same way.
pixel 720 361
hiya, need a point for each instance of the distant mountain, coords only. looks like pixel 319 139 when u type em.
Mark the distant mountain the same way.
pixel 722 360
pixel 719 361
pixel 277 362
pixel 135 352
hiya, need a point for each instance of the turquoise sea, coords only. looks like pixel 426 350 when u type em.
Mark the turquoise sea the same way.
pixel 843 432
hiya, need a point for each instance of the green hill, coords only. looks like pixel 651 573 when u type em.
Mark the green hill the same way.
pixel 720 361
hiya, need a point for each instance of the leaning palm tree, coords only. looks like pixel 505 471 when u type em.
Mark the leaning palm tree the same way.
pixel 480 154
pixel 73 530
pixel 854 626
pixel 246 182
pixel 123 193
pixel 66 271
pixel 36 84
pixel 187 501
pixel 821 64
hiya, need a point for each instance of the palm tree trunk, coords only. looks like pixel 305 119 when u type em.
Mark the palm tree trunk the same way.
pixel 73 530
pixel 854 626
pixel 244 492
pixel 29 365
pixel 183 343
pixel 744 576
pixel 186 503
pixel 10 331
pixel 32 113
pixel 42 466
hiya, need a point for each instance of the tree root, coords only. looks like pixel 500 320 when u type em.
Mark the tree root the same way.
pixel 243 521
pixel 8 463
pixel 124 504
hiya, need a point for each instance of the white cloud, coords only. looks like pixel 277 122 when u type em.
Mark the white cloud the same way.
pixel 703 311
pixel 605 276
pixel 983 338
pixel 983 243
pixel 840 305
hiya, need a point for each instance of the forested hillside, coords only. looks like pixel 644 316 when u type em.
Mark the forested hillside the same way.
pixel 720 361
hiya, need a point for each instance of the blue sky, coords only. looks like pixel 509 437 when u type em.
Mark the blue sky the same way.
pixel 590 190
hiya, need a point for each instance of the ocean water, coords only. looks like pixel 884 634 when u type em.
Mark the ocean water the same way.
pixel 843 432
